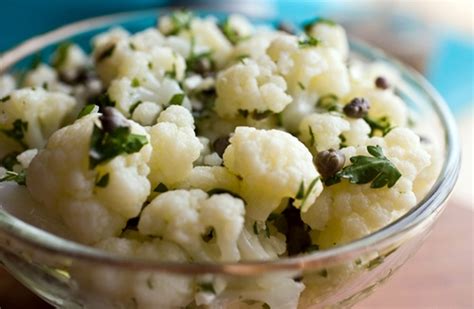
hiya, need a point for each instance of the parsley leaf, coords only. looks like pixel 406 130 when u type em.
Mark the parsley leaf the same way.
pixel 86 110
pixel 135 83
pixel 105 146
pixel 60 56
pixel 381 125
pixel 311 134
pixel 328 102
pixel 177 99
pixel 241 58
pixel 181 20
pixel 309 42
pixel 4 99
pixel 376 169
pixel 300 84
pixel 19 178
pixel 17 132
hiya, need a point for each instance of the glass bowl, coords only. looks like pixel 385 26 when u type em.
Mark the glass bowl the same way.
pixel 70 275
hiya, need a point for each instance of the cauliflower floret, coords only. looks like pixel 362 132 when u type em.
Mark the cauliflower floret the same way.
pixel 209 178
pixel 332 35
pixel 357 135
pixel 26 157
pixel 60 178
pixel 322 131
pixel 70 59
pixel 241 25
pixel 31 116
pixel 263 245
pixel 45 77
pixel 273 165
pixel 175 147
pixel 129 96
pixel 147 40
pixel 303 104
pixel 206 227
pixel 346 211
pixel 250 86
pixel 7 85
pixel 318 69
pixel 255 46
pixel 142 289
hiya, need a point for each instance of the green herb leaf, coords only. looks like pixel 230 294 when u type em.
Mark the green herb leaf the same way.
pixel 310 188
pixel 106 146
pixel 242 57
pixel 376 169
pixel 135 83
pixel 17 132
pixel 103 181
pixel 134 107
pixel 106 53
pixel 86 110
pixel 61 54
pixel 102 100
pixel 311 134
pixel 19 178
pixel 160 188
pixel 381 125
pixel 206 287
pixel 172 73
pixel 4 99
pixel 328 102
pixel 181 20
pixel 309 42
pixel 300 193
pixel 177 99
pixel 300 84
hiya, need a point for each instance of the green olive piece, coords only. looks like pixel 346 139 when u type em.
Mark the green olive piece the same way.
pixel 329 162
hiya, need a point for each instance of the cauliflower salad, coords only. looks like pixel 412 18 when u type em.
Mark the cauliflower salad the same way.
pixel 206 140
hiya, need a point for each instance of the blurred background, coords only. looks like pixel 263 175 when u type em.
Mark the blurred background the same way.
pixel 434 36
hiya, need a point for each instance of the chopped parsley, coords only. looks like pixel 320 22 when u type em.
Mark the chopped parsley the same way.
pixel 201 63
pixel 106 53
pixel 160 188
pixel 209 234
pixel 61 54
pixel 343 139
pixel 105 146
pixel 230 33
pixel 206 287
pixel 19 178
pixel 134 106
pixel 309 42
pixel 171 73
pixel 181 20
pixel 177 99
pixel 319 20
pixel 300 84
pixel 255 114
pixel 302 194
pixel 132 46
pixel 381 125
pixel 102 181
pixel 328 102
pixel 241 58
pixel 376 169
pixel 135 83
pixel 311 134
pixel 86 110
pixel 17 132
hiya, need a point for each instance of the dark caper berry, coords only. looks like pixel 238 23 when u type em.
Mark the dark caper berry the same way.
pixel 220 144
pixel 329 162
pixel 381 82
pixel 357 108
pixel 112 119
pixel 286 27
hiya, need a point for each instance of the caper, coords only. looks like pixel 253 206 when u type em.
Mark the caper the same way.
pixel 112 119
pixel 381 82
pixel 220 144
pixel 357 108
pixel 329 162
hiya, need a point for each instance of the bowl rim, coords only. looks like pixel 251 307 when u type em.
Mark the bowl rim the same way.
pixel 31 237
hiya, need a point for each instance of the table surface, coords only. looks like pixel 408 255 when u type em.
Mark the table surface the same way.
pixel 440 275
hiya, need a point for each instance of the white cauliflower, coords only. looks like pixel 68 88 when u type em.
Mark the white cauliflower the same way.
pixel 209 178
pixel 26 157
pixel 138 288
pixel 253 47
pixel 7 85
pixel 45 77
pixel 318 69
pixel 175 147
pixel 207 228
pixel 30 116
pixel 332 35
pixel 273 165
pixel 143 100
pixel 303 104
pixel 250 86
pixel 345 211
pixel 69 59
pixel 60 178
pixel 322 131
pixel 257 243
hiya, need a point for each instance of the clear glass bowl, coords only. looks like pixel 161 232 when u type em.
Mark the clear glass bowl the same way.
pixel 70 275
